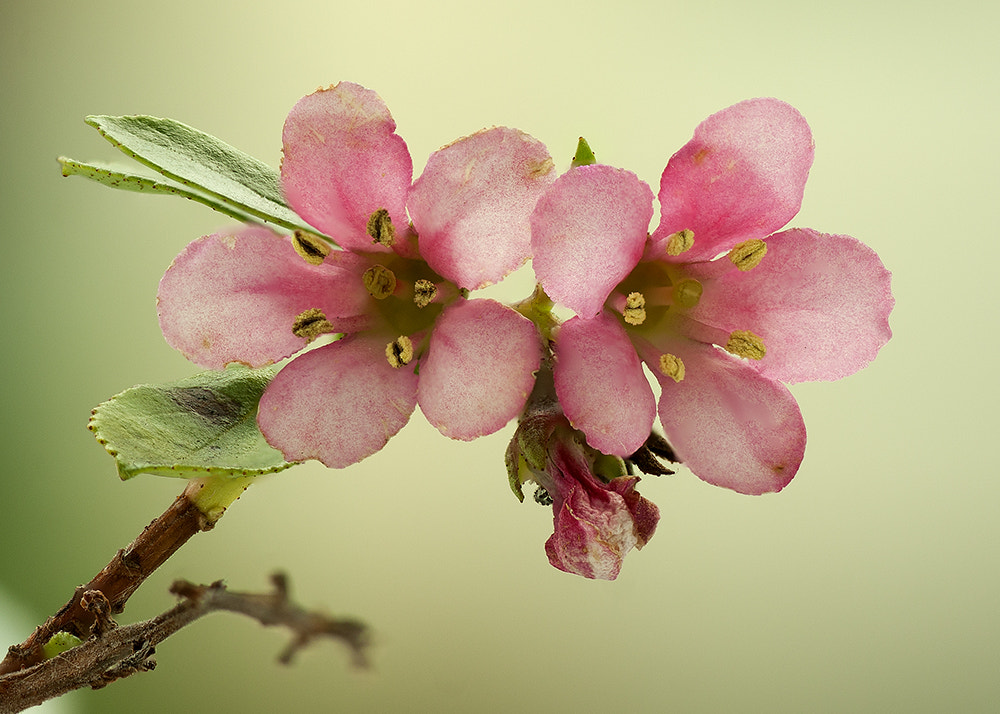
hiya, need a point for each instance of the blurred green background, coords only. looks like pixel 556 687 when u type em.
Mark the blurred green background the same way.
pixel 870 584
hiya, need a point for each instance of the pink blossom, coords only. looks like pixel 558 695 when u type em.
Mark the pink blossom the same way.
pixel 598 516
pixel 719 306
pixel 396 292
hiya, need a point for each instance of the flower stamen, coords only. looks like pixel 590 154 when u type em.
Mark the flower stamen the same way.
pixel 311 324
pixel 672 366
pixel 310 248
pixel 424 292
pixel 680 242
pixel 635 309
pixel 744 343
pixel 380 228
pixel 748 254
pixel 399 352
pixel 380 282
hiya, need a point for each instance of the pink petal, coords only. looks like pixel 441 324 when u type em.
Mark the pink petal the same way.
pixel 588 232
pixel 732 426
pixel 233 297
pixel 595 524
pixel 479 369
pixel 338 403
pixel 472 204
pixel 578 545
pixel 742 176
pixel 342 161
pixel 601 385
pixel 820 302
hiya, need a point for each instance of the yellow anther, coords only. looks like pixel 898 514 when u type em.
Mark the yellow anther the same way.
pixel 680 242
pixel 746 255
pixel 311 248
pixel 424 292
pixel 672 366
pixel 380 282
pixel 380 228
pixel 687 292
pixel 399 352
pixel 311 324
pixel 744 343
pixel 634 312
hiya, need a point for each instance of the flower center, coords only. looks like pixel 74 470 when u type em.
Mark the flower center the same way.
pixel 657 298
pixel 406 294
pixel 652 291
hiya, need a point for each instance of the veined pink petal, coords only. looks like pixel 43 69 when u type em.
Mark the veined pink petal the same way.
pixel 595 524
pixel 472 203
pixel 588 232
pixel 576 546
pixel 479 369
pixel 338 403
pixel 601 385
pixel 342 162
pixel 742 176
pixel 732 426
pixel 233 297
pixel 820 303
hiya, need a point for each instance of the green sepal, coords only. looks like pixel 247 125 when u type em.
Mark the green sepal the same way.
pixel 202 162
pixel 516 468
pixel 126 180
pixel 584 156
pixel 201 426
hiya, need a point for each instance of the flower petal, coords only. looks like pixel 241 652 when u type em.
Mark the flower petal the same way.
pixel 732 426
pixel 588 232
pixel 472 203
pixel 601 385
pixel 479 369
pixel 595 524
pixel 820 303
pixel 742 176
pixel 233 297
pixel 342 162
pixel 338 403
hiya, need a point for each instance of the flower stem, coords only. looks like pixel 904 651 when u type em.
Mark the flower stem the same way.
pixel 122 576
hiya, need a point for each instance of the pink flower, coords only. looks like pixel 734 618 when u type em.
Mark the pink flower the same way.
pixel 397 291
pixel 720 334
pixel 598 516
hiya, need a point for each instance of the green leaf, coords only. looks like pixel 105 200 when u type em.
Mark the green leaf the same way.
pixel 126 180
pixel 203 162
pixel 201 426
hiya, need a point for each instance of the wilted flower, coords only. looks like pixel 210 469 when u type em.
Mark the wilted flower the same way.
pixel 397 292
pixel 720 307
pixel 598 516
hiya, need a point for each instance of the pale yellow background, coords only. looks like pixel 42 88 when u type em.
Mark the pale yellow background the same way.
pixel 871 584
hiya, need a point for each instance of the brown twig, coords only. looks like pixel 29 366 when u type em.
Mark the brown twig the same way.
pixel 114 652
pixel 118 580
